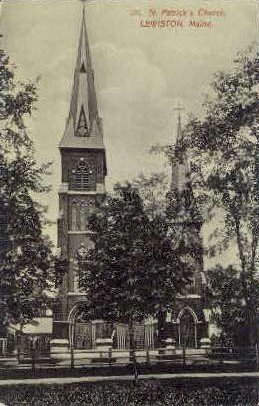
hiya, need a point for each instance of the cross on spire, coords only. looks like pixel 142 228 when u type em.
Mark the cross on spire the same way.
pixel 84 3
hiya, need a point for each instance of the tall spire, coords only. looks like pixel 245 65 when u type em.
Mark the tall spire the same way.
pixel 180 168
pixel 181 193
pixel 179 125
pixel 83 126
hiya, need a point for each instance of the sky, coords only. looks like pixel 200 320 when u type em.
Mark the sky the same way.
pixel 141 73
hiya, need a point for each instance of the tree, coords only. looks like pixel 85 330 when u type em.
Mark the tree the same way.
pixel 224 150
pixel 228 308
pixel 132 271
pixel 153 191
pixel 26 259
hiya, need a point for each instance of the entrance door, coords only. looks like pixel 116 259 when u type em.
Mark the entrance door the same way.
pixel 83 336
pixel 187 333
pixel 86 333
pixel 144 336
pixel 103 330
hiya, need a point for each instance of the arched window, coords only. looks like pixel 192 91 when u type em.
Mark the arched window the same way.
pixel 82 217
pixel 191 287
pixel 74 217
pixel 82 177
pixel 79 215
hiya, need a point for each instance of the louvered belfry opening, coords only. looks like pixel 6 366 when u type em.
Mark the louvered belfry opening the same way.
pixel 82 177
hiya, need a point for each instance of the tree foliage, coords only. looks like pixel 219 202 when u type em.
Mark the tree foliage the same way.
pixel 25 253
pixel 224 150
pixel 228 307
pixel 153 191
pixel 222 146
pixel 132 271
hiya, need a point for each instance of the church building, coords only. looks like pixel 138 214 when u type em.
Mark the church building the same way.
pixel 188 320
pixel 83 162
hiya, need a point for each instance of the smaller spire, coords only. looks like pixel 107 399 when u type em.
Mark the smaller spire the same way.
pixel 181 185
pixel 179 122
pixel 83 13
pixel 179 162
pixel 179 126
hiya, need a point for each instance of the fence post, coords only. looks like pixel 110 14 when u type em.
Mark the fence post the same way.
pixel 33 360
pixel 33 354
pixel 148 356
pixel 184 355
pixel 135 371
pixel 110 356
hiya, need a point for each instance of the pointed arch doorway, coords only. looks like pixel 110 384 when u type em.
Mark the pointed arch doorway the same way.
pixel 187 328
pixel 84 332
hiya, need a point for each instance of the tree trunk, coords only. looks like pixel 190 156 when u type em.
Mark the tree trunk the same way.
pixel 255 236
pixel 18 346
pixel 33 356
pixel 254 245
pixel 132 351
pixel 184 353
pixel 243 277
pixel 160 327
pixel 132 342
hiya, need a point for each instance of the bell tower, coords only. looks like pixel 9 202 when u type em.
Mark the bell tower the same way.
pixel 83 164
pixel 189 323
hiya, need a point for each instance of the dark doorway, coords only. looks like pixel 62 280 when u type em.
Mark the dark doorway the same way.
pixel 187 333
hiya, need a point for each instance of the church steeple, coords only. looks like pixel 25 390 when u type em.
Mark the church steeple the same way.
pixel 184 227
pixel 179 125
pixel 181 201
pixel 180 166
pixel 83 126
pixel 83 169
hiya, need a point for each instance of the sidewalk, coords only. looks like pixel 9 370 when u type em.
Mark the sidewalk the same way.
pixel 68 380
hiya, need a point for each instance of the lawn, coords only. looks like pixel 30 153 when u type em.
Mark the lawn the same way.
pixel 144 393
